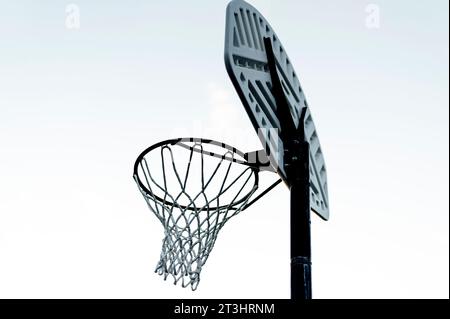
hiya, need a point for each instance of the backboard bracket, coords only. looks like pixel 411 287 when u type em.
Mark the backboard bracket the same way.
pixel 287 125
pixel 260 159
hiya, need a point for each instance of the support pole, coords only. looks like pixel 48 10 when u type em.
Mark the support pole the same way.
pixel 300 225
pixel 297 168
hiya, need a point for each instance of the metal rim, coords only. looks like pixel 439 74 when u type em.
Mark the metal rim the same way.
pixel 253 167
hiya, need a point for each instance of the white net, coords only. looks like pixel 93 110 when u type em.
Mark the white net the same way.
pixel 194 187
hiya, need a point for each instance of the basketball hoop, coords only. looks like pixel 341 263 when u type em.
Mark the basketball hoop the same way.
pixel 194 187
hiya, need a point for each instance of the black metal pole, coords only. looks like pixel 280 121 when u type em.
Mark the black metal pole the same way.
pixel 300 224
pixel 297 168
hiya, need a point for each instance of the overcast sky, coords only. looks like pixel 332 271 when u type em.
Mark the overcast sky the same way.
pixel 78 103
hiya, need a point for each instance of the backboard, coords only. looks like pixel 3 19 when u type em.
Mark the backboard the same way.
pixel 248 67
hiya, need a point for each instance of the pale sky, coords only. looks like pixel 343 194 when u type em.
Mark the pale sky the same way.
pixel 77 106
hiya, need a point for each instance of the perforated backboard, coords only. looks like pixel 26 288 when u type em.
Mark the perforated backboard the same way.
pixel 247 65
